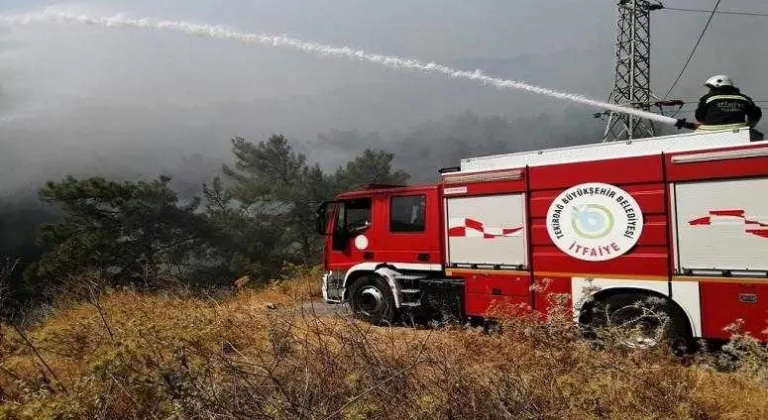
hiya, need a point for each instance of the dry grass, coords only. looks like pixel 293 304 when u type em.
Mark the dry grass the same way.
pixel 126 355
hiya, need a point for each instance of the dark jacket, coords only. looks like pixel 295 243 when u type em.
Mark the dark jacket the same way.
pixel 727 105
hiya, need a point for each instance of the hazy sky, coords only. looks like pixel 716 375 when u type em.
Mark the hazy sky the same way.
pixel 72 96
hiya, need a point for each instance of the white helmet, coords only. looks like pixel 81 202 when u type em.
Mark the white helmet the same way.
pixel 719 81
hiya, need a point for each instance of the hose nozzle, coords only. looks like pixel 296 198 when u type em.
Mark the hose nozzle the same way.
pixel 682 123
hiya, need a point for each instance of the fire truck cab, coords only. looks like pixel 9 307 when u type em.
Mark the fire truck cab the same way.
pixel 683 219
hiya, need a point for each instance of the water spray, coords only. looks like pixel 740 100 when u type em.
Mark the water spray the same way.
pixel 215 31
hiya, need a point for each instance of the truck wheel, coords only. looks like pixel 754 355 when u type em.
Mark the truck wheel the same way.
pixel 371 300
pixel 641 321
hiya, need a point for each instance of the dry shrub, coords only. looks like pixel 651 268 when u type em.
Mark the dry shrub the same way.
pixel 743 354
pixel 299 282
pixel 128 355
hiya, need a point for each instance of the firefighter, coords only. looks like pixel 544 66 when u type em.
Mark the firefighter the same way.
pixel 725 107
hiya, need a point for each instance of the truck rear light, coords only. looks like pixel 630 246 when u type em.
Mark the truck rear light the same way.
pixel 715 156
pixel 510 175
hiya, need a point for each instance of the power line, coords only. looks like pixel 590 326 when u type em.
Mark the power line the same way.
pixel 695 47
pixel 718 12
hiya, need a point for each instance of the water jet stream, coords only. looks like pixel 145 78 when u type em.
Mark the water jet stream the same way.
pixel 215 31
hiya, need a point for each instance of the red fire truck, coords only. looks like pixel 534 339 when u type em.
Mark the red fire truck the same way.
pixel 683 219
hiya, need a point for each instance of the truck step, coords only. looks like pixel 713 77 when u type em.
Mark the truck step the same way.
pixel 410 291
pixel 410 304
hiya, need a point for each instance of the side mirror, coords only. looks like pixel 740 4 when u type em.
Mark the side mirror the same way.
pixel 321 219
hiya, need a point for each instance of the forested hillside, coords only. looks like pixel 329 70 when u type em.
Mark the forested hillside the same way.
pixel 253 219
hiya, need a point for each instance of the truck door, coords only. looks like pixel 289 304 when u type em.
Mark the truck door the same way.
pixel 411 228
pixel 352 236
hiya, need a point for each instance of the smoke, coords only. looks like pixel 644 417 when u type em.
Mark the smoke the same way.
pixel 321 49
pixel 424 148
pixel 85 100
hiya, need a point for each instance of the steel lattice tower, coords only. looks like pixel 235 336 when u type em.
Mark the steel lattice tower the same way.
pixel 632 85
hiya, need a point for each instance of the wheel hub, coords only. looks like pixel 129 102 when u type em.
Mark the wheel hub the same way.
pixel 371 300
pixel 637 329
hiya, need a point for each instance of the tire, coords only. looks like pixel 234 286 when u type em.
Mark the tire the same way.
pixel 372 301
pixel 639 328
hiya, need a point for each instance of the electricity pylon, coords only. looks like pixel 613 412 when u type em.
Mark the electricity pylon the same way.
pixel 632 85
